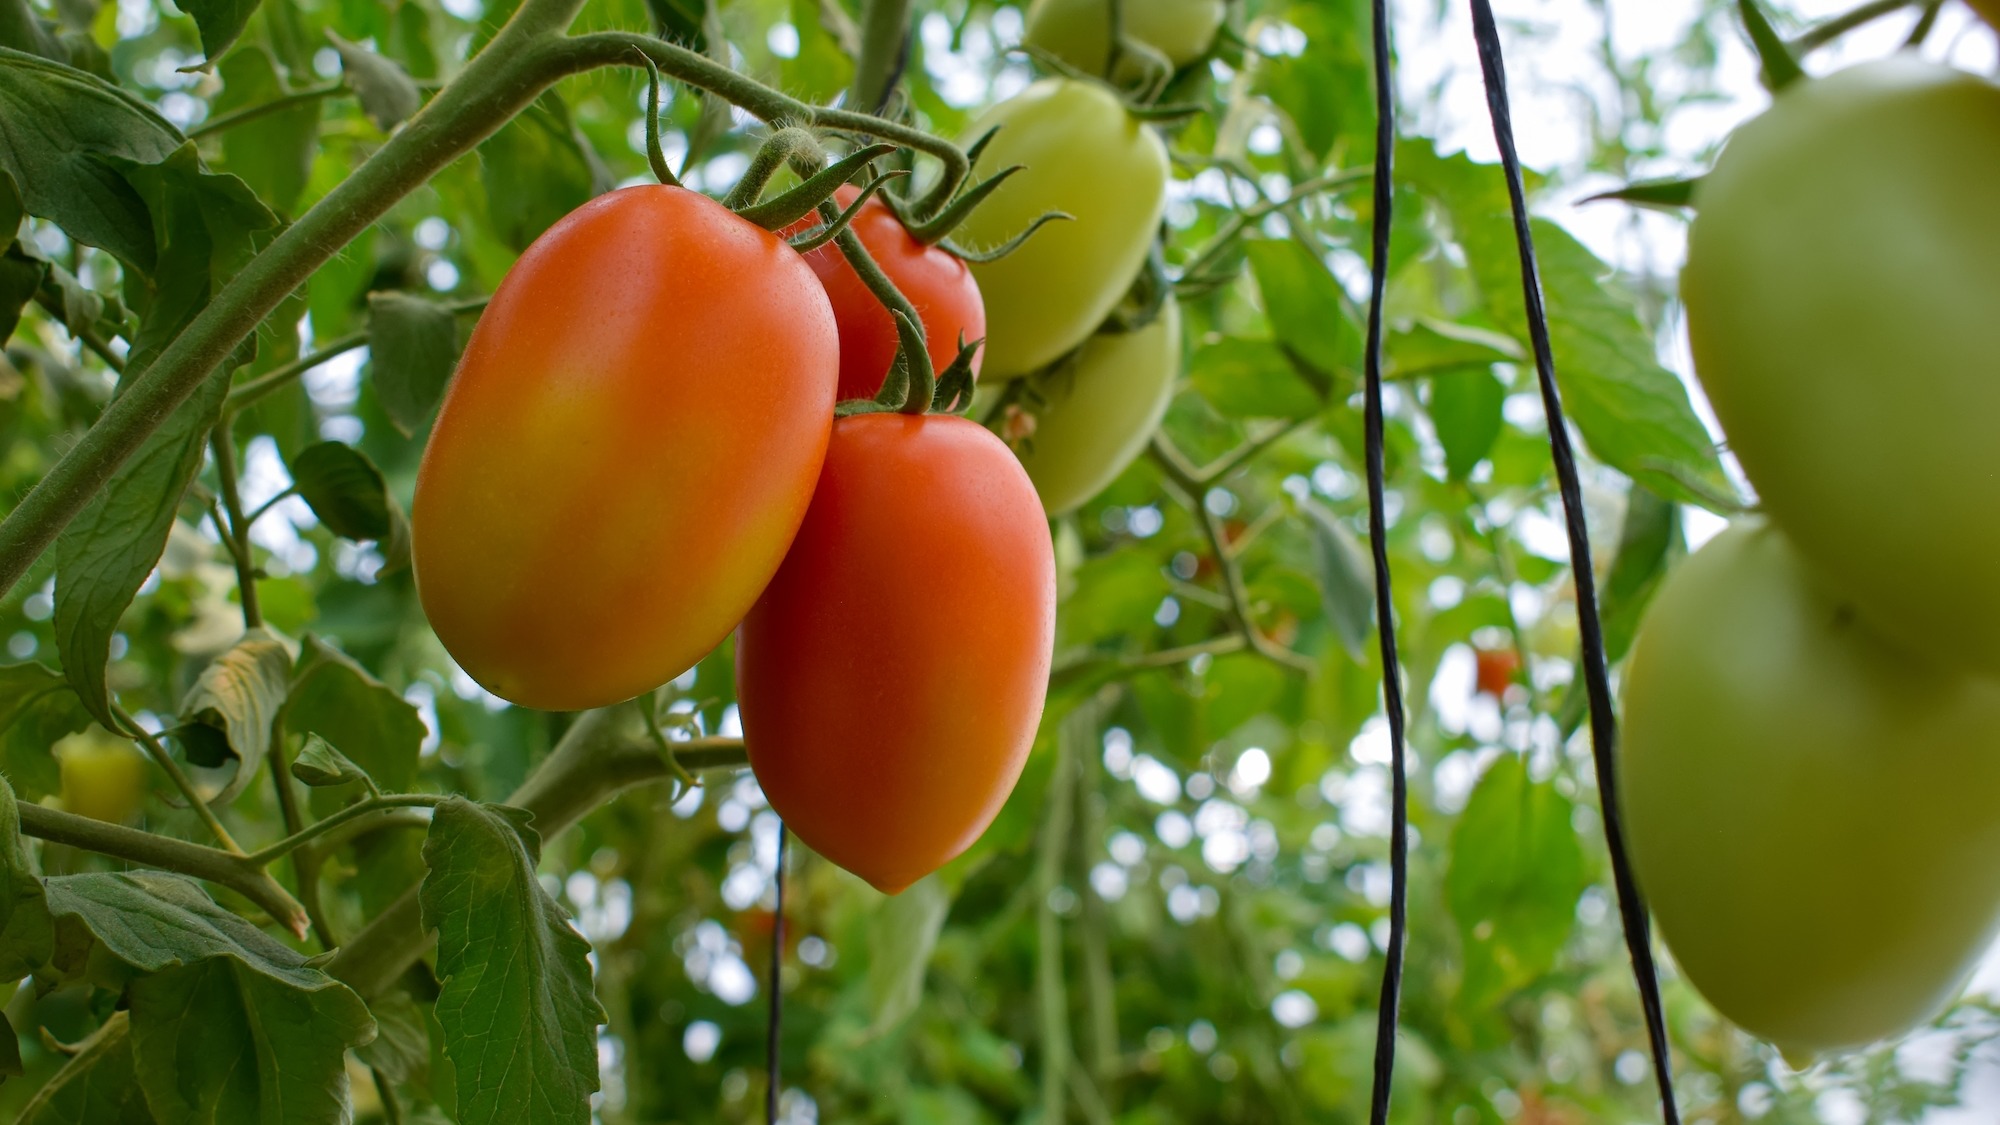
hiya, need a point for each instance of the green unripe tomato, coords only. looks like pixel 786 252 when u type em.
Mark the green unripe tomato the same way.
pixel 1810 805
pixel 1079 31
pixel 1085 156
pixel 1094 416
pixel 103 777
pixel 1843 295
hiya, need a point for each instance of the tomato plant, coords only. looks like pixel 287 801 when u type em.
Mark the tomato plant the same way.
pixel 1766 722
pixel 103 778
pixel 1079 31
pixel 886 723
pixel 1840 273
pixel 938 285
pixel 676 481
pixel 1088 418
pixel 1082 155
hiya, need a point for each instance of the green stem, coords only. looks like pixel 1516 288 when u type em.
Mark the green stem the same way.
pixel 305 864
pixel 263 109
pixel 1819 35
pixel 244 394
pixel 300 837
pixel 923 381
pixel 1237 223
pixel 83 333
pixel 265 508
pixel 885 52
pixel 602 753
pixel 1052 1000
pixel 166 762
pixel 74 1079
pixel 223 442
pixel 236 872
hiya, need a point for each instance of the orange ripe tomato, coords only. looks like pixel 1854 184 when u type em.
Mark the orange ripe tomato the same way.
pixel 939 287
pixel 891 678
pixel 626 451
pixel 1497 668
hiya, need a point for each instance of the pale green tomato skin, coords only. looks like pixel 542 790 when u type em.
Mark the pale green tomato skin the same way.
pixel 1094 417
pixel 1079 31
pixel 1843 296
pixel 1085 156
pixel 1811 807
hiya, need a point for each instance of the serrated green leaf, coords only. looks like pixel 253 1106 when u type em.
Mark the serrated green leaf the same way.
pixel 401 1049
pixel 1346 578
pixel 23 30
pixel 335 698
pixel 901 935
pixel 218 1041
pixel 27 933
pixel 320 765
pixel 1516 872
pixel 59 165
pixel 97 1085
pixel 104 556
pixel 1308 311
pixel 536 169
pixel 1428 345
pixel 413 345
pixel 345 490
pixel 272 153
pixel 1465 409
pixel 220 22
pixel 20 277
pixel 1253 379
pixel 384 88
pixel 113 927
pixel 37 709
pixel 515 999
pixel 238 696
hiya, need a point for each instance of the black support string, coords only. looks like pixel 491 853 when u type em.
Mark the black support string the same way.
pixel 773 1072
pixel 1597 679
pixel 1389 1007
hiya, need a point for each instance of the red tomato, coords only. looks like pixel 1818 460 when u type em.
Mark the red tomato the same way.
pixel 938 285
pixel 891 677
pixel 628 447
pixel 1497 669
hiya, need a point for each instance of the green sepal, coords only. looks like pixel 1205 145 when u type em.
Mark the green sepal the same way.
pixel 821 235
pixel 1781 67
pixel 1665 194
pixel 982 257
pixel 803 200
pixel 931 230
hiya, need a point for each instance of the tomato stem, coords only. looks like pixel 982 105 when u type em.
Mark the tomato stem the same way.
pixel 655 155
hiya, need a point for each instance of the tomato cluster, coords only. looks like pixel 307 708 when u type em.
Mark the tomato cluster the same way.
pixel 641 452
pixel 1798 682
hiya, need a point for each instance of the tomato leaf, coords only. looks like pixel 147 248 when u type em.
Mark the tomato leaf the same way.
pixel 105 555
pixel 1253 379
pixel 384 88
pixel 221 1040
pixel 272 153
pixel 537 169
pixel 37 709
pixel 377 729
pixel 220 22
pixel 901 935
pixel 320 765
pixel 1516 872
pixel 20 277
pixel 27 934
pixel 401 1049
pixel 237 696
pixel 346 491
pixel 1429 345
pixel 514 999
pixel 1346 578
pixel 1308 311
pixel 1465 409
pixel 97 1084
pixel 412 346
pixel 59 166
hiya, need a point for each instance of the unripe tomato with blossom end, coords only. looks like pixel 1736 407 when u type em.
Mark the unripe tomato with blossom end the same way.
pixel 1810 805
pixel 628 446
pixel 103 777
pixel 1497 670
pixel 891 677
pixel 938 285
pixel 1083 155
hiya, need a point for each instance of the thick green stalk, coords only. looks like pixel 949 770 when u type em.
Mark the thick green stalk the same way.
pixel 602 753
pixel 238 873
pixel 885 51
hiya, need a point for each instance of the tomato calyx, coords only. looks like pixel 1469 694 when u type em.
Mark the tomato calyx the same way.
pixel 837 223
pixel 949 392
pixel 791 206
